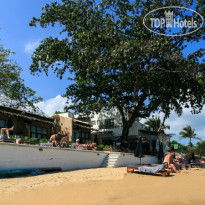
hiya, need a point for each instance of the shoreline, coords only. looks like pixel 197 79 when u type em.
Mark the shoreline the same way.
pixel 105 186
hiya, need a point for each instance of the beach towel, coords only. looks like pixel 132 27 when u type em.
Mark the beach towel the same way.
pixel 152 169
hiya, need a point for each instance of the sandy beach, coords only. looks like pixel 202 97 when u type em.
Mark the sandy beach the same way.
pixel 105 186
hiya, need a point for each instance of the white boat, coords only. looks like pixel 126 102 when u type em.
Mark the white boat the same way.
pixel 19 156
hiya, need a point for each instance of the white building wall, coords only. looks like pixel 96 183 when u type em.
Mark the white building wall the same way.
pixel 113 113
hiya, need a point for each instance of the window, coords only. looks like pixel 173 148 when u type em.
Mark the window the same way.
pixel 38 132
pixel 84 137
pixel 2 123
pixel 109 123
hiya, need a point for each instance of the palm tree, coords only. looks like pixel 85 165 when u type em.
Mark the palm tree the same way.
pixel 188 132
pixel 155 124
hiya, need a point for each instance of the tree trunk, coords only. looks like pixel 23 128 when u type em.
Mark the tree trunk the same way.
pixel 126 127
pixel 189 143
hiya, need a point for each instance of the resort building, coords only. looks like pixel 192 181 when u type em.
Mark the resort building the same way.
pixel 31 125
pixel 27 124
pixel 66 123
pixel 107 125
pixel 107 128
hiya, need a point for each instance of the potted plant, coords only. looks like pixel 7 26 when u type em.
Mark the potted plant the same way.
pixel 31 140
pixel 43 140
pixel 100 147
pixel 107 148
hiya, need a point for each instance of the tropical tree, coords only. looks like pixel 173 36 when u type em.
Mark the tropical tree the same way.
pixel 117 62
pixel 13 92
pixel 200 148
pixel 155 124
pixel 188 132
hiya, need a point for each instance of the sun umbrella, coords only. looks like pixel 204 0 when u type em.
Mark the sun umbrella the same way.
pixel 161 152
pixel 139 151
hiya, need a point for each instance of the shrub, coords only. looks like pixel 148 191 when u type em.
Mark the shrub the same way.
pixel 101 146
pixel 33 139
pixel 108 146
pixel 43 140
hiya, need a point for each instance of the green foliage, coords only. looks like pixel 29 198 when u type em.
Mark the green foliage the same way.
pixel 200 148
pixel 26 138
pixel 33 139
pixel 108 146
pixel 43 140
pixel 155 124
pixel 58 112
pixel 101 146
pixel 188 132
pixel 117 62
pixel 183 148
pixel 13 92
pixel 11 136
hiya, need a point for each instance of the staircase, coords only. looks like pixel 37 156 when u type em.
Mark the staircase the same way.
pixel 110 160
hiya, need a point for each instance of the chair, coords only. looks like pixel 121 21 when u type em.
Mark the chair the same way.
pixel 150 169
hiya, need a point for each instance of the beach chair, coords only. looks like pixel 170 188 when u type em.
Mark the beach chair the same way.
pixel 149 169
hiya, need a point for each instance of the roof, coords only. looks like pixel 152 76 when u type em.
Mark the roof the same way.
pixel 25 115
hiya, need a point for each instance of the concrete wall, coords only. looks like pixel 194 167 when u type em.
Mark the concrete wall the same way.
pixel 14 156
pixel 63 125
pixel 129 159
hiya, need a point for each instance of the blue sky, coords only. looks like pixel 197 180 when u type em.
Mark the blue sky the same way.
pixel 17 35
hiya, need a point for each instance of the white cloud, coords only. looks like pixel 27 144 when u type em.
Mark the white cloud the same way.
pixel 196 121
pixel 30 46
pixel 51 105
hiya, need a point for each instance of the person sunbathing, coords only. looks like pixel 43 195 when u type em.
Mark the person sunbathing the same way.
pixel 169 160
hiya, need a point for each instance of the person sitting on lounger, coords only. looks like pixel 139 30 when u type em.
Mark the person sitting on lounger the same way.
pixel 93 145
pixel 169 160
pixel 55 138
pixel 77 143
pixel 65 141
pixel 9 127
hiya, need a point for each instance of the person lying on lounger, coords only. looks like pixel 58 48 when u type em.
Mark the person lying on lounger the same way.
pixel 169 160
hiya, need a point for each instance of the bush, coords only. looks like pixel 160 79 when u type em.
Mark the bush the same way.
pixel 33 139
pixel 43 140
pixel 26 138
pixel 108 146
pixel 101 146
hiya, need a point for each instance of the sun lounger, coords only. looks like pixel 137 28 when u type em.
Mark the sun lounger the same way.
pixel 184 166
pixel 193 165
pixel 8 140
pixel 151 169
